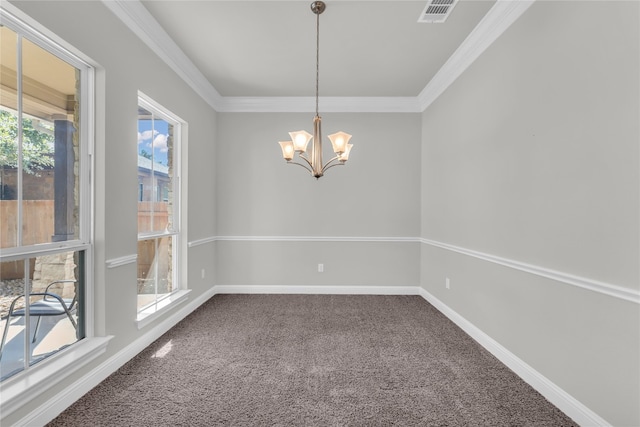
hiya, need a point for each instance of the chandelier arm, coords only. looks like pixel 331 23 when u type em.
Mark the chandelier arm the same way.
pixel 300 164
pixel 328 164
pixel 303 157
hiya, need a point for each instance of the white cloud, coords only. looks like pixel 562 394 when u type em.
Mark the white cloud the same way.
pixel 160 141
pixel 146 135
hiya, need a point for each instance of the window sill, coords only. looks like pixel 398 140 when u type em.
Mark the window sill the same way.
pixel 151 314
pixel 25 387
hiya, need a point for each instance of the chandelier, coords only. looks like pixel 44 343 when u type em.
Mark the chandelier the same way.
pixel 300 139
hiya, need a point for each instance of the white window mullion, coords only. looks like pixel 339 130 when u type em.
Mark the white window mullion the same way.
pixel 19 233
pixel 27 318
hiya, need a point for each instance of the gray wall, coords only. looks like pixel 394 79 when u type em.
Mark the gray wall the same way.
pixel 532 155
pixel 376 194
pixel 127 65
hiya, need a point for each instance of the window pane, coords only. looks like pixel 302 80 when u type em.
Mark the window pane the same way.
pixel 37 182
pixel 155 173
pixel 8 140
pixel 155 272
pixel 52 320
pixel 50 150
pixel 12 347
pixel 145 171
pixel 157 208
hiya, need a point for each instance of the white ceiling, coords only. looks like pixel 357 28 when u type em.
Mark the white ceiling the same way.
pixel 259 56
pixel 267 48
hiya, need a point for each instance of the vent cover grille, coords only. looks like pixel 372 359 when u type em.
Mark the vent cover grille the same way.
pixel 437 11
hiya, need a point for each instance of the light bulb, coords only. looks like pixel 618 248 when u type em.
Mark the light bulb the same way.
pixel 300 140
pixel 339 141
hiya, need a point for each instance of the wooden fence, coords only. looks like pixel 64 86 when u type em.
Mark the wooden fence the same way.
pixel 38 226
pixel 156 213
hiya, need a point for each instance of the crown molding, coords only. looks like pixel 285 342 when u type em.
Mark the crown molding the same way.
pixel 135 16
pixel 495 22
pixel 138 19
pixel 327 104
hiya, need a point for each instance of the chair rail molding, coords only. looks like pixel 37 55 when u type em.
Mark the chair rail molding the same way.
pixel 202 241
pixel 120 261
pixel 318 239
pixel 627 294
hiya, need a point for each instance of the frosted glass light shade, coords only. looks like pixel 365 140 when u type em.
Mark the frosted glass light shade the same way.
pixel 339 141
pixel 300 140
pixel 345 156
pixel 287 149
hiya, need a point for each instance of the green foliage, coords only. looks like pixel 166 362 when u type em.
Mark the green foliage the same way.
pixel 147 155
pixel 37 147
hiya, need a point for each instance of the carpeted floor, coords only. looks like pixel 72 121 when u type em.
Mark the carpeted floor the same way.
pixel 314 360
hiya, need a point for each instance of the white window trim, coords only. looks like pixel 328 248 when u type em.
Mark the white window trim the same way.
pixel 19 389
pixel 25 386
pixel 152 312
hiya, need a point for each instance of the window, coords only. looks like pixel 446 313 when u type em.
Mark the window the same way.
pixel 158 205
pixel 45 196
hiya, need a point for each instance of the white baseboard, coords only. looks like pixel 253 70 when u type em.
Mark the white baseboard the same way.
pixel 565 402
pixel 317 290
pixel 554 394
pixel 54 406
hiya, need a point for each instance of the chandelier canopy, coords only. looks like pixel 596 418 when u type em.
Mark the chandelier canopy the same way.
pixel 300 139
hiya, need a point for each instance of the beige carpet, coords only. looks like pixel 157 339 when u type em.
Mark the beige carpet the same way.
pixel 314 360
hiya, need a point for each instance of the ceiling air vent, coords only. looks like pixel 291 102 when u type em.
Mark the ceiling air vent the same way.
pixel 437 11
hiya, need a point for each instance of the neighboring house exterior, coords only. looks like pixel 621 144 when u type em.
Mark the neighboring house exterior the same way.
pixel 149 191
pixel 39 186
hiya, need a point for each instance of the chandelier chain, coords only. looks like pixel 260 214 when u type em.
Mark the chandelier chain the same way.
pixel 317 58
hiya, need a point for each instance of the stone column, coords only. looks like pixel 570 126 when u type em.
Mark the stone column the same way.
pixel 64 181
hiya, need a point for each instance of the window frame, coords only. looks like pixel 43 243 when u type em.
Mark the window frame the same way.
pixel 86 215
pixel 86 141
pixel 146 314
pixel 28 385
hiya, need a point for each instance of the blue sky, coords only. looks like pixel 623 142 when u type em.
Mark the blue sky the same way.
pixel 152 138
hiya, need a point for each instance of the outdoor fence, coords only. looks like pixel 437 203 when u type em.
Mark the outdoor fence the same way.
pixel 38 227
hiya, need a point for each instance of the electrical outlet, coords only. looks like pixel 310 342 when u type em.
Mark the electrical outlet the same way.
pixel 447 283
pixel 320 268
pixel 202 273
